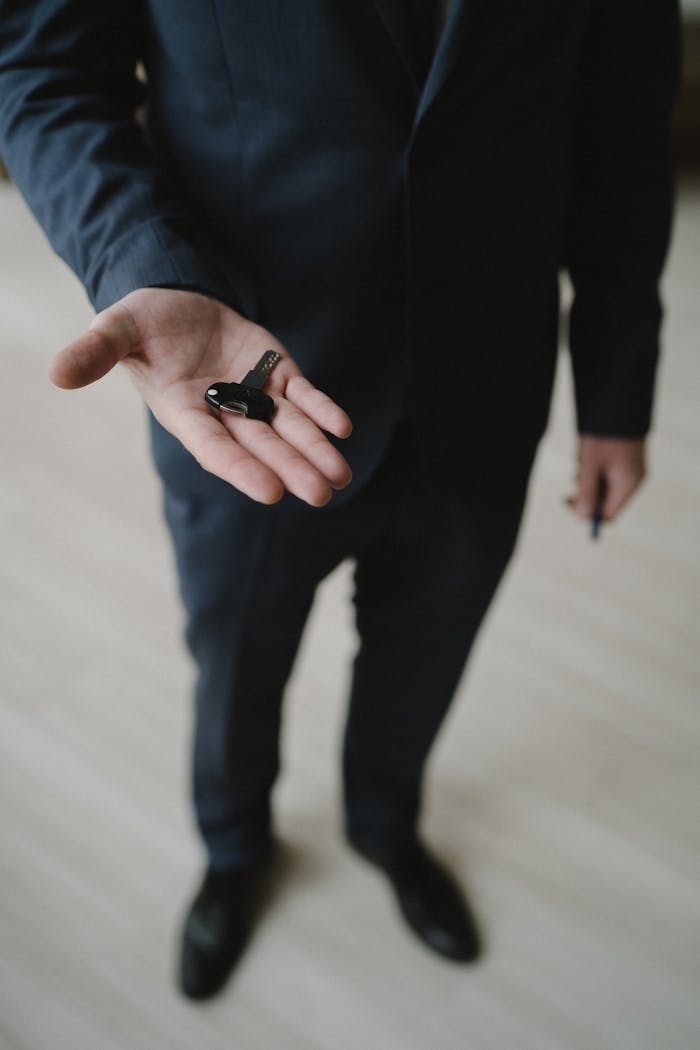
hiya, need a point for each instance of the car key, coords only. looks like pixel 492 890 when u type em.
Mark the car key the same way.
pixel 247 398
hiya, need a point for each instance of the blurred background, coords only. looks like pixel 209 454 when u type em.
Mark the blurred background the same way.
pixel 564 793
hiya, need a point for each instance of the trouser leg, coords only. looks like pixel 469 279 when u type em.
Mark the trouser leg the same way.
pixel 422 590
pixel 247 576
pixel 243 636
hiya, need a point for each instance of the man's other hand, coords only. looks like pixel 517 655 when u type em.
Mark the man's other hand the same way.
pixel 620 461
pixel 174 345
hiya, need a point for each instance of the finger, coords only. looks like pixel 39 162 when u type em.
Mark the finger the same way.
pixel 584 500
pixel 294 427
pixel 318 406
pixel 216 451
pixel 84 361
pixel 292 468
pixel 111 337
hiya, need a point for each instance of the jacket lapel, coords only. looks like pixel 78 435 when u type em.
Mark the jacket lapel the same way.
pixel 451 39
pixel 395 18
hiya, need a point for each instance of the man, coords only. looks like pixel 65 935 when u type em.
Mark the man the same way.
pixel 388 214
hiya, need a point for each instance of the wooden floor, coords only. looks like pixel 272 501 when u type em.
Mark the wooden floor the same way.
pixel 564 789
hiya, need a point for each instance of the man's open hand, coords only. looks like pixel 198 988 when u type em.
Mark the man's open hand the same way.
pixel 620 461
pixel 174 345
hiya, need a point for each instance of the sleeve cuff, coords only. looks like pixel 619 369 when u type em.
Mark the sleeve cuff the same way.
pixel 615 351
pixel 160 252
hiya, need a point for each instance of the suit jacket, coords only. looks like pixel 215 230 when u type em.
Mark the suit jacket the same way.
pixel 402 239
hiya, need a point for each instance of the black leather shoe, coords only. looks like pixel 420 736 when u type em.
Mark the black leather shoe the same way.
pixel 218 925
pixel 429 899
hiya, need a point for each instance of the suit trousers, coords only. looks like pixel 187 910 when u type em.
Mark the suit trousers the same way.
pixel 426 569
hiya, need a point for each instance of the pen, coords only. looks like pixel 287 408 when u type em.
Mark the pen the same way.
pixel 597 517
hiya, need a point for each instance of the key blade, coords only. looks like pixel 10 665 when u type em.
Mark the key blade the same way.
pixel 257 376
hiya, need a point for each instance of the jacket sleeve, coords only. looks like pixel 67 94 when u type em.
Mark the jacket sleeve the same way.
pixel 620 211
pixel 72 144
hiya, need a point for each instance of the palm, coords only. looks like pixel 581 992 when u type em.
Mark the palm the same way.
pixel 175 344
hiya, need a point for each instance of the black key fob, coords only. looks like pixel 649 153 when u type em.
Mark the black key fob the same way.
pixel 242 399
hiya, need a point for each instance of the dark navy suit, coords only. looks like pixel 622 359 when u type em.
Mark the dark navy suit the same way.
pixel 403 240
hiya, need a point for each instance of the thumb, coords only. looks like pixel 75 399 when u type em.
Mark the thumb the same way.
pixel 586 498
pixel 111 337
